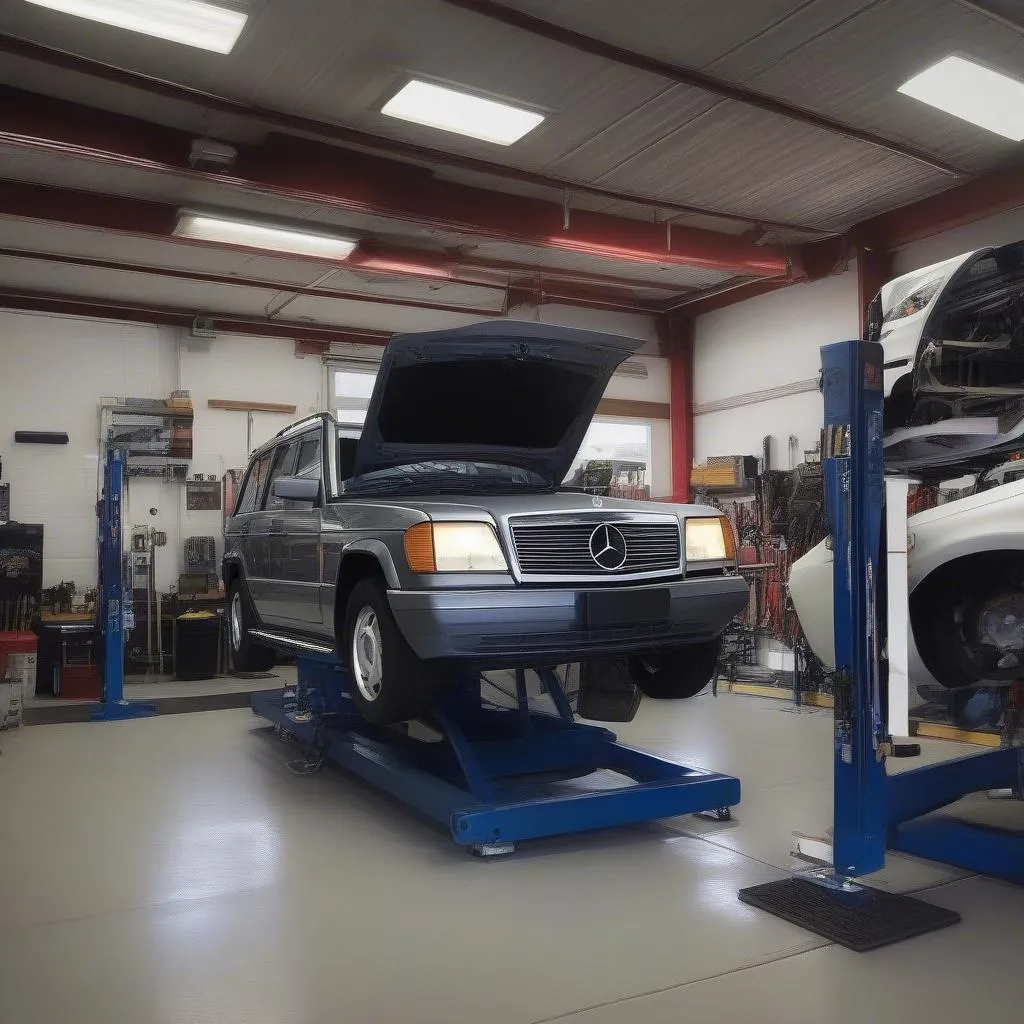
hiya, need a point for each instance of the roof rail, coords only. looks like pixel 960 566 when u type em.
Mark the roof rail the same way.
pixel 304 422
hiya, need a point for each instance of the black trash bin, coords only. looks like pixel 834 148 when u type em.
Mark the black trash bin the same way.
pixel 197 640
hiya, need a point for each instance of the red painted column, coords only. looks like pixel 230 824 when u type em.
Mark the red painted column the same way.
pixel 874 268
pixel 678 345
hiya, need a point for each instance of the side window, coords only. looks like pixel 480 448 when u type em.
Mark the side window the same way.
pixel 347 456
pixel 248 500
pixel 308 463
pixel 283 464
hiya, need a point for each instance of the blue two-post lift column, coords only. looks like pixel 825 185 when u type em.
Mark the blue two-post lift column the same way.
pixel 852 454
pixel 114 596
pixel 874 811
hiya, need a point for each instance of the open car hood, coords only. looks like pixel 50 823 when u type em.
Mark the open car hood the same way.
pixel 519 394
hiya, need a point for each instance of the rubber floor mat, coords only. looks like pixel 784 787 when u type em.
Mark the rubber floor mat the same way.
pixel 859 921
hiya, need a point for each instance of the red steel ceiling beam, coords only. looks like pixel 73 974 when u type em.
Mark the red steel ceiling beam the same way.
pixel 676 337
pixel 312 172
pixel 286 122
pixel 874 269
pixel 165 316
pixel 432 264
pixel 147 219
pixel 234 281
pixel 695 79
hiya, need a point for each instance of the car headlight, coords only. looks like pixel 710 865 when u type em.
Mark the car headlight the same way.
pixel 710 539
pixel 453 547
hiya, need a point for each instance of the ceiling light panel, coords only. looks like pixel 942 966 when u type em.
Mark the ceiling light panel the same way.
pixel 207 228
pixel 960 87
pixel 450 110
pixel 192 22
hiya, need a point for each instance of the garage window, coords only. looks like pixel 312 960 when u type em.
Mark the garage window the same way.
pixel 615 457
pixel 351 388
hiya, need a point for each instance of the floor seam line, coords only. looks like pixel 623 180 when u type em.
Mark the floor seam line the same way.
pixel 684 984
pixel 74 918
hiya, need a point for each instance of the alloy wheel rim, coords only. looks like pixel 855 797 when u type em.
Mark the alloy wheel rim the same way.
pixel 366 654
pixel 236 620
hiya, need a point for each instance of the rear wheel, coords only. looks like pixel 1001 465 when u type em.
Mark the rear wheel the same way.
pixel 677 673
pixel 388 682
pixel 246 656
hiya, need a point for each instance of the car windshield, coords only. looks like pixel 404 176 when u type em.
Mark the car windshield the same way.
pixel 447 477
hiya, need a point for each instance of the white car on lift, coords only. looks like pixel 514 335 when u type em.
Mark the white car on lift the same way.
pixel 966 585
pixel 953 338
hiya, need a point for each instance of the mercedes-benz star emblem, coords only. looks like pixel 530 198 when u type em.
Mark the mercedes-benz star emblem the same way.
pixel 608 547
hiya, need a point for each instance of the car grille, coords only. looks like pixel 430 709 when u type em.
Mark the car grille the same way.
pixel 563 549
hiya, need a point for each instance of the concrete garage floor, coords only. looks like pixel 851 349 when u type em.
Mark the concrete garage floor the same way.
pixel 171 870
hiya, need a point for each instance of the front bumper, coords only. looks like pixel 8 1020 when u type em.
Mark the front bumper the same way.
pixel 525 625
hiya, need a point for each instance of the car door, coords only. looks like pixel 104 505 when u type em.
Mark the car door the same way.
pixel 268 531
pixel 295 552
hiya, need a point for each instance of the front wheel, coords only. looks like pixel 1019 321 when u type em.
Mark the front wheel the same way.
pixel 388 683
pixel 246 656
pixel 968 620
pixel 677 673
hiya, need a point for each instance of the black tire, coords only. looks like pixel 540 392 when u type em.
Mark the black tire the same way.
pixel 403 685
pixel 678 673
pixel 945 613
pixel 246 656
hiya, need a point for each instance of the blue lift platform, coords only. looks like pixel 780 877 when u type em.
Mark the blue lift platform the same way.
pixel 493 776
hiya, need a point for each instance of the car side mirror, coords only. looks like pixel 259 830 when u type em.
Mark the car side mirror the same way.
pixel 296 488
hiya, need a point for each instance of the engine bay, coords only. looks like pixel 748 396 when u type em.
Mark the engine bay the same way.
pixel 971 357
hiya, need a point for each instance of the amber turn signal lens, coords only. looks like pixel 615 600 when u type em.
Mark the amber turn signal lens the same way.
pixel 729 536
pixel 419 548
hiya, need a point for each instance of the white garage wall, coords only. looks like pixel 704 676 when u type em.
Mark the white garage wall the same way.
pixel 767 342
pixel 54 370
pixel 52 373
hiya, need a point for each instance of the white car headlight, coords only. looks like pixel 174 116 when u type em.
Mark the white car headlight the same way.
pixel 710 539
pixel 453 547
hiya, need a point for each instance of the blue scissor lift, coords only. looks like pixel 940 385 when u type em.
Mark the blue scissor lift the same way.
pixel 874 811
pixel 493 775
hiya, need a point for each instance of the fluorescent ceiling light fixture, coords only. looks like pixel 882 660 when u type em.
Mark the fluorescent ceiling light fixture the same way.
pixel 973 93
pixel 192 22
pixel 437 106
pixel 207 228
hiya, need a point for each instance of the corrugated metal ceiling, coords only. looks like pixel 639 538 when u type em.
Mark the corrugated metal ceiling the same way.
pixel 630 130
pixel 610 125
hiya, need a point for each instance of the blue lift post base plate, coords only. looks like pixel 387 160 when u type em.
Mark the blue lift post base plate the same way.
pixel 118 711
pixel 499 776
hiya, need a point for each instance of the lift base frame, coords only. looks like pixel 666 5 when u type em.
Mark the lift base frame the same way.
pixel 497 777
